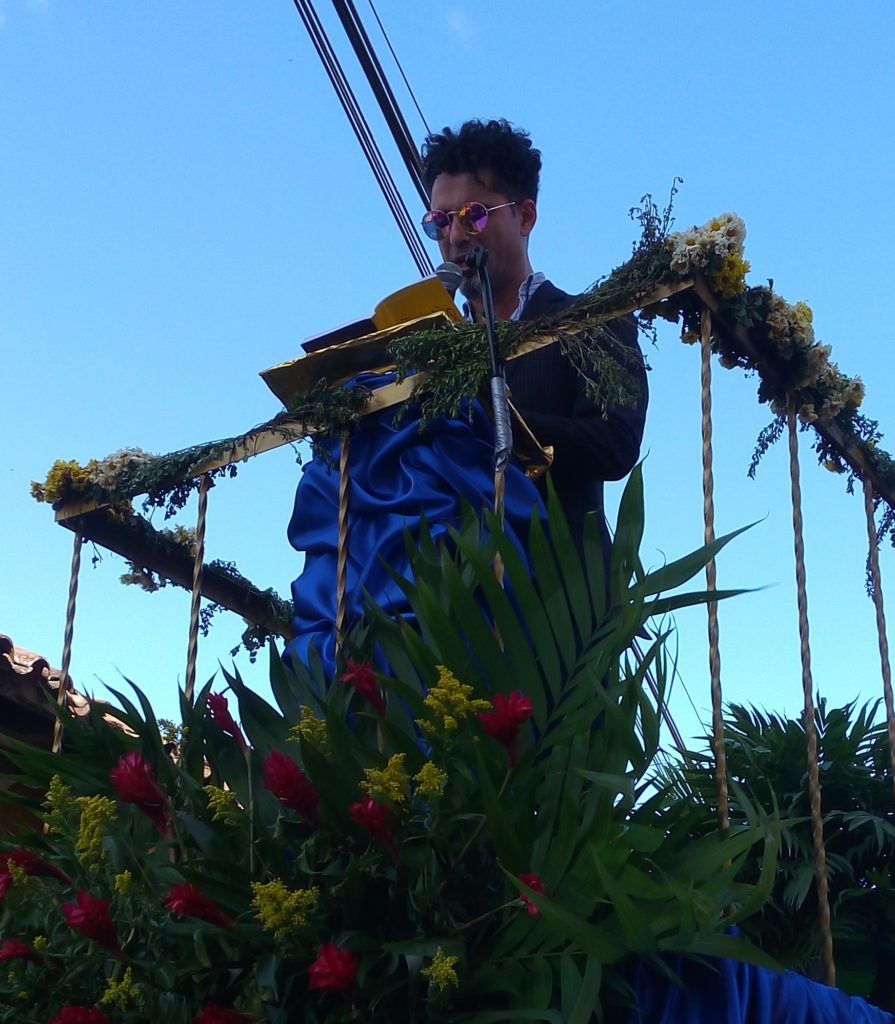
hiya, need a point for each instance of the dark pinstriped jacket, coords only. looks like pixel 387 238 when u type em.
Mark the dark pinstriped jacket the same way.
pixel 549 394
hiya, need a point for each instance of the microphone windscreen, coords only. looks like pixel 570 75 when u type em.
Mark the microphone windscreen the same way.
pixel 450 276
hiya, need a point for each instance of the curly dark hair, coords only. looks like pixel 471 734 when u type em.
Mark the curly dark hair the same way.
pixel 495 146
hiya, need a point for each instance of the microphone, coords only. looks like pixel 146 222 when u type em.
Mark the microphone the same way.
pixel 450 276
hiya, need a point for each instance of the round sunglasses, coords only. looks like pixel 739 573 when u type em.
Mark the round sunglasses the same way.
pixel 473 218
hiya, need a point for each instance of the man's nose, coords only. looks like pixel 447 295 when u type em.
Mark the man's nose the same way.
pixel 457 234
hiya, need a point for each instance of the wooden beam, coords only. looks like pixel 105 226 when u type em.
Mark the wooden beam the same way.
pixel 135 540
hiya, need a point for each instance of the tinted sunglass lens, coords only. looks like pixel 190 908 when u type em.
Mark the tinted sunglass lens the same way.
pixel 473 217
pixel 435 223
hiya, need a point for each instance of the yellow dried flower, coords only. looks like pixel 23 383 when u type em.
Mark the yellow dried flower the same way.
pixel 123 995
pixel 18 875
pixel 308 728
pixel 223 805
pixel 430 780
pixel 65 479
pixel 58 803
pixel 441 971
pixel 96 813
pixel 281 911
pixel 730 279
pixel 11 976
pixel 451 701
pixel 803 314
pixel 390 782
pixel 123 882
pixel 40 943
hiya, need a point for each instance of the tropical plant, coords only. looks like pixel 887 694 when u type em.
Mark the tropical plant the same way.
pixel 468 832
pixel 766 755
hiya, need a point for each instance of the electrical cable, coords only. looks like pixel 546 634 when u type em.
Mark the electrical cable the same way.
pixel 400 69
pixel 364 135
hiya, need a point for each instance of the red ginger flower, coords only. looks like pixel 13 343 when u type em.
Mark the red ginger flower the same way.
pixel 333 970
pixel 376 820
pixel 219 713
pixel 90 917
pixel 503 723
pixel 187 901
pixel 536 885
pixel 361 678
pixel 134 784
pixel 28 862
pixel 213 1014
pixel 80 1015
pixel 13 949
pixel 290 785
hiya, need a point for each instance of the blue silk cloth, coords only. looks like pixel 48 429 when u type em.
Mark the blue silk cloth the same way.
pixel 728 992
pixel 398 475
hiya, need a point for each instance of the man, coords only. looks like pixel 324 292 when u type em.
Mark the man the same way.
pixel 494 166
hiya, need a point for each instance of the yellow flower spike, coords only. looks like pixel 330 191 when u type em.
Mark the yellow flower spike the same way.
pixel 40 944
pixel 223 805
pixel 96 813
pixel 430 780
pixel 122 995
pixel 451 701
pixel 441 971
pixel 280 910
pixel 390 782
pixel 308 728
pixel 17 874
pixel 123 882
pixel 57 804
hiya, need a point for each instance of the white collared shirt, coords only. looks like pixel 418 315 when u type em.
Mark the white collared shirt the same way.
pixel 528 287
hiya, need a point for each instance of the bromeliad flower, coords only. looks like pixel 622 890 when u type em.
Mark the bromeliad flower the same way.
pixel 80 1015
pixel 333 970
pixel 376 820
pixel 361 678
pixel 134 784
pixel 13 949
pixel 186 900
pixel 504 721
pixel 91 918
pixel 219 713
pixel 536 885
pixel 291 786
pixel 213 1014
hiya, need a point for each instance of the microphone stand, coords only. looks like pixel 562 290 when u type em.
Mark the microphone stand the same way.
pixel 503 427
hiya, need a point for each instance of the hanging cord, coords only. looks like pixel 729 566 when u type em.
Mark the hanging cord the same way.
pixel 198 561
pixel 364 135
pixel 369 62
pixel 708 509
pixel 876 580
pixel 817 822
pixel 69 636
pixel 342 548
pixel 400 69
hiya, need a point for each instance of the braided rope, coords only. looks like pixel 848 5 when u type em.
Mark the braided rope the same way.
pixel 69 636
pixel 198 561
pixel 342 550
pixel 817 823
pixel 499 490
pixel 876 579
pixel 708 510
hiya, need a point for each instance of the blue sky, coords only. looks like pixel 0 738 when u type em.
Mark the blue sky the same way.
pixel 182 201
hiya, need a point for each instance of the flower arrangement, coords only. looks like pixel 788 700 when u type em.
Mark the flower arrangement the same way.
pixel 469 834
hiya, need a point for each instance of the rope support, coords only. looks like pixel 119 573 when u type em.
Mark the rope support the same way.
pixel 198 562
pixel 69 635
pixel 708 509
pixel 342 544
pixel 817 823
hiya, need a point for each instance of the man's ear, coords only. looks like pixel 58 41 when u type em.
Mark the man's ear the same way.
pixel 528 215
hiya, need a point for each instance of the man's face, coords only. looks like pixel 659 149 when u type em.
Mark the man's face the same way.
pixel 505 235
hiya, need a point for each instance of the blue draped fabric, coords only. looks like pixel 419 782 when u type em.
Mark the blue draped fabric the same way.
pixel 398 475
pixel 728 992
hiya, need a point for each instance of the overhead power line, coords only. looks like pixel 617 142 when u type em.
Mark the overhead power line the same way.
pixel 364 136
pixel 391 50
